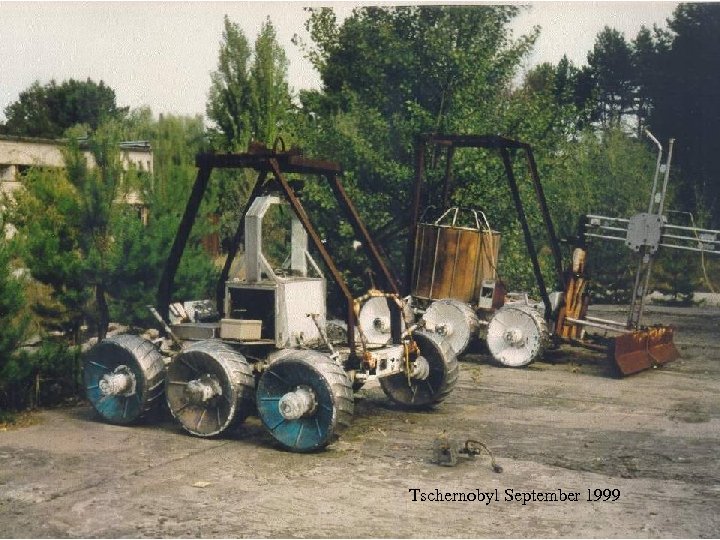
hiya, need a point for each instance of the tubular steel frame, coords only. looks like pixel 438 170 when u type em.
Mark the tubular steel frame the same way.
pixel 272 166
pixel 504 146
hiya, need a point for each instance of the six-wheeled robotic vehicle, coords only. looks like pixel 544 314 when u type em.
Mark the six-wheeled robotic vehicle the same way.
pixel 270 349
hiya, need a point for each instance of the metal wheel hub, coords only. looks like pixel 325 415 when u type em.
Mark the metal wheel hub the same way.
pixel 374 321
pixel 514 337
pixel 203 389
pixel 303 399
pixel 120 382
pixel 301 402
pixel 433 374
pixel 209 388
pixel 421 369
pixel 382 324
pixel 123 377
pixel 444 330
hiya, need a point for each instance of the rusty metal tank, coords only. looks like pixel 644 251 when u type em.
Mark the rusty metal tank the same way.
pixel 452 261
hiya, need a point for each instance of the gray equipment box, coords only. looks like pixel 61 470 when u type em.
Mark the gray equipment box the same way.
pixel 240 329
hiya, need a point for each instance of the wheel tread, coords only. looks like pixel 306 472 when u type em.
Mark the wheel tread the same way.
pixel 451 375
pixel 239 374
pixel 150 362
pixel 336 379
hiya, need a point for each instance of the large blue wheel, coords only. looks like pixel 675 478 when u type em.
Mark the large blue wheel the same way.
pixel 304 399
pixel 209 388
pixel 123 377
pixel 433 378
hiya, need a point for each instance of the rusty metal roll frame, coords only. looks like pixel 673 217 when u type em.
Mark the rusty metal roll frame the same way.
pixel 272 167
pixel 504 146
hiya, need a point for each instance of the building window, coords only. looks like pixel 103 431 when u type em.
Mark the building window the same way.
pixel 7 173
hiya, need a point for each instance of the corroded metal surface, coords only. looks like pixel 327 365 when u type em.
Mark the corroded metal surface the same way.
pixel 452 262
pixel 644 349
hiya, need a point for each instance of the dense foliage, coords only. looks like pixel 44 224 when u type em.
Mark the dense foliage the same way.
pixel 390 74
pixel 14 325
pixel 665 80
pixel 686 105
pixel 48 110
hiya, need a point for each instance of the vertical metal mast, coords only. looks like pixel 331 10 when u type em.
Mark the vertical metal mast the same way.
pixel 646 230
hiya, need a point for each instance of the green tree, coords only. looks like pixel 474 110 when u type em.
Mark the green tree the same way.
pixel 622 78
pixel 14 322
pixel 249 100
pixel 611 65
pixel 390 74
pixel 48 110
pixel 89 251
pixel 249 97
pixel 140 251
pixel 546 111
pixel 416 61
pixel 229 97
pixel 79 237
pixel 646 50
pixel 64 220
pixel 686 105
pixel 270 103
pixel 23 368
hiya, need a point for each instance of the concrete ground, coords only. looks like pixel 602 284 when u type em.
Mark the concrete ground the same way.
pixel 561 425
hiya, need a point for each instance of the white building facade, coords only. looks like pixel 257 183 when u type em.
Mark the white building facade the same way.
pixel 17 154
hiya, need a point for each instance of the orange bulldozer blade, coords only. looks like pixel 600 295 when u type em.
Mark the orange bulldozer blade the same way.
pixel 643 349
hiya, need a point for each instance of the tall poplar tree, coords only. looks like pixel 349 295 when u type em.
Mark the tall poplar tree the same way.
pixel 229 97
pixel 249 100
pixel 270 103
pixel 249 96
